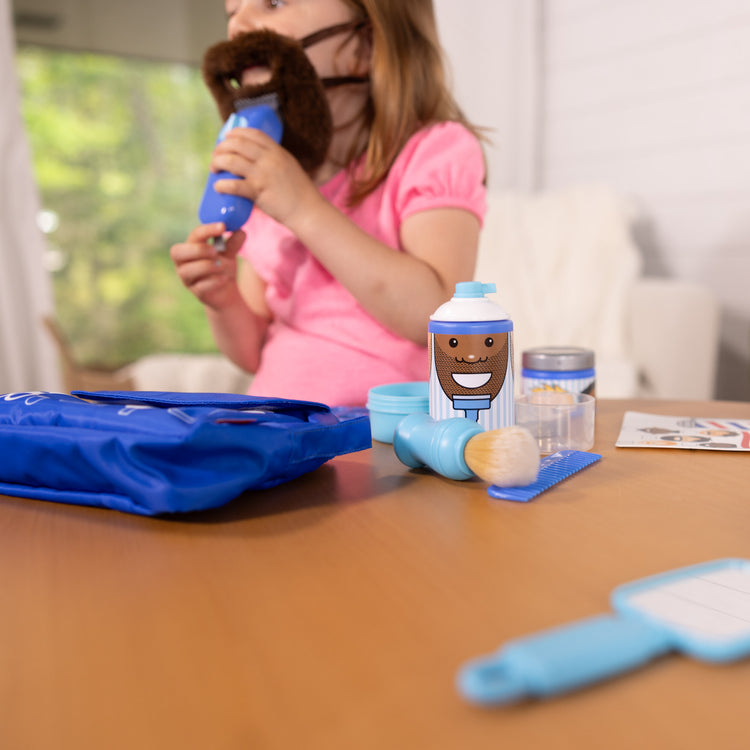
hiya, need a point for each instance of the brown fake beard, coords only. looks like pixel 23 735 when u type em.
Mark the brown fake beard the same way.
pixel 303 106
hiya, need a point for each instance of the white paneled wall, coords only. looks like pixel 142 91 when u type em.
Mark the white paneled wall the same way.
pixel 653 97
pixel 492 53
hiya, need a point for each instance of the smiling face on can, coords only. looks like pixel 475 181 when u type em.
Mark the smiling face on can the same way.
pixel 471 364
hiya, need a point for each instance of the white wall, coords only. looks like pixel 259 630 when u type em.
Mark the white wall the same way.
pixel 491 50
pixel 653 96
pixel 650 96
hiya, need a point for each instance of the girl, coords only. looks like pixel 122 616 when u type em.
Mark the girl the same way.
pixel 342 268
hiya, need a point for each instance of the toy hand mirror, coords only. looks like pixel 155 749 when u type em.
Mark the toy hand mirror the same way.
pixel 702 611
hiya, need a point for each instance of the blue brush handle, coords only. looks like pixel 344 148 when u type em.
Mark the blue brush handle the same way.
pixel 439 444
pixel 234 210
pixel 562 659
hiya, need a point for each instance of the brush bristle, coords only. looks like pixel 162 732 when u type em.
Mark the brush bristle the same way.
pixel 508 457
pixel 272 100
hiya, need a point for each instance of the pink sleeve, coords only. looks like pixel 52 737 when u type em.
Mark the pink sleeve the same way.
pixel 441 167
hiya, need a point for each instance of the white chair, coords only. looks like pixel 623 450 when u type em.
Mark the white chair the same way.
pixel 674 337
pixel 568 272
pixel 198 373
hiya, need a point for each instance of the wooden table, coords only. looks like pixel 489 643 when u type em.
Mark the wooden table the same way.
pixel 334 611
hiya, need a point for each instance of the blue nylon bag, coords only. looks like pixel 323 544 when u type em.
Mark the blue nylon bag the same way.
pixel 150 452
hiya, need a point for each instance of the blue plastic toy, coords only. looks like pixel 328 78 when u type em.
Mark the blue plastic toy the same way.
pixel 702 610
pixel 422 441
pixel 234 210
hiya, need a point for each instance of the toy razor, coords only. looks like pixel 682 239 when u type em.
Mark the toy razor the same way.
pixel 262 113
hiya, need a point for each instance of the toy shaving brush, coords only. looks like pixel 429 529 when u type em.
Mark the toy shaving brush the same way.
pixel 459 448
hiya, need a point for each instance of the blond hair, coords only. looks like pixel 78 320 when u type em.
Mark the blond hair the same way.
pixel 408 83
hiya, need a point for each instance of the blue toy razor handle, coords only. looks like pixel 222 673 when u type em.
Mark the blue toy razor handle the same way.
pixel 234 210
pixel 439 444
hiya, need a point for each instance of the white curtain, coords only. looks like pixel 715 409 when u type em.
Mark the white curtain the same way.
pixel 27 358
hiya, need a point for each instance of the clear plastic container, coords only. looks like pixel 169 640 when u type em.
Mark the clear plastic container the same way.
pixel 558 421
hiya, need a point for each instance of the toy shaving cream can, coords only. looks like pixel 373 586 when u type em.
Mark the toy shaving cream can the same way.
pixel 471 359
pixel 558 368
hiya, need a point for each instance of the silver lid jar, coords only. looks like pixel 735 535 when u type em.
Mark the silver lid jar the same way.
pixel 558 368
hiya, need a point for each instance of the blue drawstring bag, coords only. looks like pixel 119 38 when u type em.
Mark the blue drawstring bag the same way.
pixel 156 452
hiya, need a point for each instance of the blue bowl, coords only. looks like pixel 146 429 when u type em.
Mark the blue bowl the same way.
pixel 389 404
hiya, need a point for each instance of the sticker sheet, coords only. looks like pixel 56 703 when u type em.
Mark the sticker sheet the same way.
pixel 642 430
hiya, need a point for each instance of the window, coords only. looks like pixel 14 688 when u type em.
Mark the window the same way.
pixel 121 150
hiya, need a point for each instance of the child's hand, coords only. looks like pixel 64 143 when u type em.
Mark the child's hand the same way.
pixel 210 275
pixel 269 175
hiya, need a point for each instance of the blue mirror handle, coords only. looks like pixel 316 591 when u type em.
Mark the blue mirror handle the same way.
pixel 562 659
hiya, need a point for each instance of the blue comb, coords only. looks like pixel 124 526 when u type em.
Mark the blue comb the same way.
pixel 552 469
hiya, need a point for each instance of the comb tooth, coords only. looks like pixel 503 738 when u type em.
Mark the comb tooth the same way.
pixel 552 469
pixel 271 99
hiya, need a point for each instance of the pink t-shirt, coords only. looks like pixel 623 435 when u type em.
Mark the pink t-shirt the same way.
pixel 321 345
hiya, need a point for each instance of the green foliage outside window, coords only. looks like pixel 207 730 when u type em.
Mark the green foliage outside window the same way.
pixel 121 151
